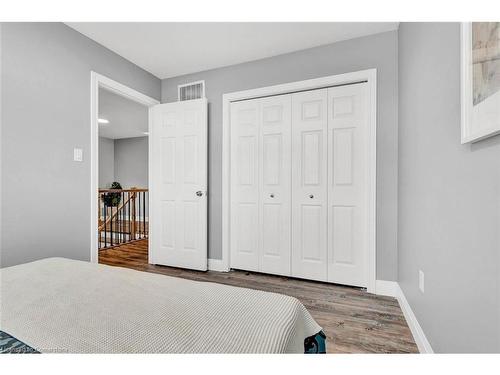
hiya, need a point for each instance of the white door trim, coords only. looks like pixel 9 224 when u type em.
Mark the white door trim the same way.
pixel 99 81
pixel 370 76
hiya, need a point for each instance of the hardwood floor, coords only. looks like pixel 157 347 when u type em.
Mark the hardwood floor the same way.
pixel 353 320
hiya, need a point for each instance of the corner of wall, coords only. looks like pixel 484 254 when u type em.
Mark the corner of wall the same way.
pixel 393 289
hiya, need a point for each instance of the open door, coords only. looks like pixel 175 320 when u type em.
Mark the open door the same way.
pixel 178 188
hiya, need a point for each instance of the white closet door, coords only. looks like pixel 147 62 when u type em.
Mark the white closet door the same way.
pixel 245 233
pixel 347 184
pixel 309 184
pixel 179 184
pixel 275 184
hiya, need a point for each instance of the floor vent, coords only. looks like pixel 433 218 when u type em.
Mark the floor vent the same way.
pixel 190 91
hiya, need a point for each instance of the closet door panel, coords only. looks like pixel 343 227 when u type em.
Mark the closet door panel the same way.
pixel 309 185
pixel 245 235
pixel 275 187
pixel 347 181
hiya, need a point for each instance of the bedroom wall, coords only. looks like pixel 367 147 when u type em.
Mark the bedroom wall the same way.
pixel 131 162
pixel 106 162
pixel 376 51
pixel 449 198
pixel 45 114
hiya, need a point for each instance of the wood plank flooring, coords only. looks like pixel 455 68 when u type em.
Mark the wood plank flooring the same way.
pixel 353 320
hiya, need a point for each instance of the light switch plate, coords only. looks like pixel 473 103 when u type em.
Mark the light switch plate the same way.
pixel 77 154
pixel 421 281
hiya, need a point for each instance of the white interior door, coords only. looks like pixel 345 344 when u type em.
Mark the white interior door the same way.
pixel 348 184
pixel 309 184
pixel 179 184
pixel 275 185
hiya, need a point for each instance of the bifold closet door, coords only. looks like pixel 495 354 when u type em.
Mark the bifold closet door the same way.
pixel 260 184
pixel 309 184
pixel 275 184
pixel 299 184
pixel 245 234
pixel 347 184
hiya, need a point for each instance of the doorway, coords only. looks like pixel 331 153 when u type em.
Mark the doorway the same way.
pixel 120 160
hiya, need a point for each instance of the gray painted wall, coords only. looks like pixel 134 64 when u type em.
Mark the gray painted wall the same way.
pixel 124 160
pixel 45 114
pixel 106 162
pixel 131 162
pixel 376 51
pixel 449 198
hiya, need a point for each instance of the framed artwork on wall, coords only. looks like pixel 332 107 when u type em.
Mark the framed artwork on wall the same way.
pixel 480 81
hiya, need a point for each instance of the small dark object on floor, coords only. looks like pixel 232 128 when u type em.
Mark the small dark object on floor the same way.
pixel 315 344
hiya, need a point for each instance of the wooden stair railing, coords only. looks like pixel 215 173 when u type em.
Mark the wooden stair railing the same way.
pixel 123 223
pixel 131 197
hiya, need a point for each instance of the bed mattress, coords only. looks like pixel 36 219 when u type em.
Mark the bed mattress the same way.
pixel 68 306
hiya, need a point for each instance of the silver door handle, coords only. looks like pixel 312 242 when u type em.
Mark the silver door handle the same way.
pixel 199 193
pixel 311 196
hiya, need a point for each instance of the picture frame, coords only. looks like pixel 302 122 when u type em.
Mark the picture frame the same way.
pixel 480 80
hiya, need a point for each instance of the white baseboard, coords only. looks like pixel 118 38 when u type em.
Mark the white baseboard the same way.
pixel 217 265
pixel 387 288
pixel 392 289
pixel 418 333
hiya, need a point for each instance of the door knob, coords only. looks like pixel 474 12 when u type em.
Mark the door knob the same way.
pixel 311 196
pixel 199 193
pixel 272 195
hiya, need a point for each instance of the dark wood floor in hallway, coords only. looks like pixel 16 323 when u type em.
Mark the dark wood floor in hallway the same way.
pixel 353 320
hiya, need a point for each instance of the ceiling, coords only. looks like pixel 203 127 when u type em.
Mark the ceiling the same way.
pixel 170 49
pixel 127 119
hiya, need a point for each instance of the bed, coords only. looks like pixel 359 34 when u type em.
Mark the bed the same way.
pixel 58 305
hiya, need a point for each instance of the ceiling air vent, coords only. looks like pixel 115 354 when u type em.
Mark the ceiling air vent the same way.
pixel 190 91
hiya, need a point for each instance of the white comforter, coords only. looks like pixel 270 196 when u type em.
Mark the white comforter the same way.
pixel 61 305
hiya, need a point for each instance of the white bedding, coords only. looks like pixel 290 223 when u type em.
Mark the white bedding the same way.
pixel 61 305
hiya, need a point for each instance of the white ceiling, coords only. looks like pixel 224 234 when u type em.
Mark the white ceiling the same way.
pixel 171 49
pixel 127 119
